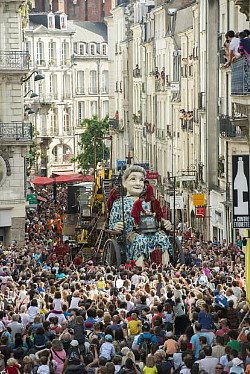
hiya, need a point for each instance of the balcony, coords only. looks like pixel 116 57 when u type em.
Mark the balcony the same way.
pixel 15 131
pixel 240 76
pixel 228 129
pixel 14 60
pixel 114 124
pixel 47 99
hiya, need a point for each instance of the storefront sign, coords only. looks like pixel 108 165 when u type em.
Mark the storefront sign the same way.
pixel 198 199
pixel 179 202
pixel 32 199
pixel 200 211
pixel 152 175
pixel 241 191
pixel 144 166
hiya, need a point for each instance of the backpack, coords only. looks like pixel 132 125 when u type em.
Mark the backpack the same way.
pixel 145 343
pixel 178 370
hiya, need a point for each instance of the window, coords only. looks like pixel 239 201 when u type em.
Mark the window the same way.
pixel 27 87
pixel 53 86
pixel 176 68
pixel 40 53
pixel 105 81
pixel 28 50
pixel 92 49
pixel 93 82
pixel 81 111
pixel 81 48
pixel 80 82
pixel 104 49
pixel 65 54
pixel 93 108
pixel 40 89
pixel 75 48
pixel 66 121
pixel 51 22
pixel 105 108
pixel 55 153
pixel 43 125
pixel 54 130
pixel 67 85
pixel 52 53
pixel 63 21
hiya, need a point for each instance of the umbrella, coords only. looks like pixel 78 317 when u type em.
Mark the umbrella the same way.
pixel 42 181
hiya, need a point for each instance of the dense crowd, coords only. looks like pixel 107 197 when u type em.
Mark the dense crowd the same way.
pixel 63 316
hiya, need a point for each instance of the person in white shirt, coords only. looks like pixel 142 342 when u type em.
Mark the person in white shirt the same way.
pixel 33 310
pixel 208 363
pixel 230 296
pixel 24 316
pixel 44 367
pixel 233 47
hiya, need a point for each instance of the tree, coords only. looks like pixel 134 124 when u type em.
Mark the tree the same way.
pixel 93 127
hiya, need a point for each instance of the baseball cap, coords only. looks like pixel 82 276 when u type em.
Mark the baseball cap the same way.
pixel 108 337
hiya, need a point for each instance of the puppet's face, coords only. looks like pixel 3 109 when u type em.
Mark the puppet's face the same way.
pixel 134 184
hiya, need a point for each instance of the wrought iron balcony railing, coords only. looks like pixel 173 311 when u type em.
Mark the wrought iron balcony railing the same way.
pixel 240 76
pixel 14 60
pixel 228 129
pixel 15 131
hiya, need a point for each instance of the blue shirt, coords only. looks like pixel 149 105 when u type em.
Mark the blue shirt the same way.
pixel 205 320
pixel 146 335
pixel 195 342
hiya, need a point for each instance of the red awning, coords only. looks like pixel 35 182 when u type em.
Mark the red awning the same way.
pixel 88 178
pixel 42 181
pixel 74 178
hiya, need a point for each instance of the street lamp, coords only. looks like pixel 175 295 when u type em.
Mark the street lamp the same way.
pixel 38 77
pixel 32 95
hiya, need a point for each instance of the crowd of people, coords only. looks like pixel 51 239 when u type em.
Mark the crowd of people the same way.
pixel 237 45
pixel 62 316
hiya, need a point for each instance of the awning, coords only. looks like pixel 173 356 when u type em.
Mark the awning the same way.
pixel 42 181
pixel 74 178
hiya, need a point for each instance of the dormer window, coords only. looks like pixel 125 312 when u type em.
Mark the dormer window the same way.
pixel 51 21
pixel 81 48
pixel 104 49
pixel 63 22
pixel 92 49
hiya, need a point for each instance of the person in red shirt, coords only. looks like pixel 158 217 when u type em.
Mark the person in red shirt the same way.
pixel 137 209
pixel 156 208
pixel 149 191
pixel 112 197
pixel 78 261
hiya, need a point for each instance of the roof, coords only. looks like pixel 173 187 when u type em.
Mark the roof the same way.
pixel 94 28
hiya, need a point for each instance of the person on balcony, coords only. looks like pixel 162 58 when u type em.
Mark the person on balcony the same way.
pixel 233 47
pixel 244 47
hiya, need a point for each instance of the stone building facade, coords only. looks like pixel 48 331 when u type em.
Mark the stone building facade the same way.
pixel 75 85
pixel 183 124
pixel 15 131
